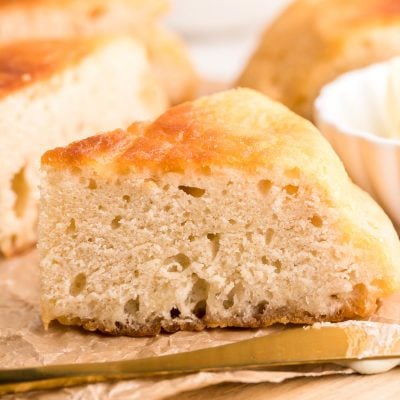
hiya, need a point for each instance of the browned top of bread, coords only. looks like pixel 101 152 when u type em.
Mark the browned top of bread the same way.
pixel 152 8
pixel 32 19
pixel 26 62
pixel 314 41
pixel 239 128
pixel 333 15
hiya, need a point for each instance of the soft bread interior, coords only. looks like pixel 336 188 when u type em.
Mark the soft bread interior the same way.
pixel 108 89
pixel 215 247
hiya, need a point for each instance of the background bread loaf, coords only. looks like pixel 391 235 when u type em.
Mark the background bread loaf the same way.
pixel 22 19
pixel 53 92
pixel 314 41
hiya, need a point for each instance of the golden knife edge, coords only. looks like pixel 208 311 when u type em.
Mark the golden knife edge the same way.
pixel 76 380
pixel 247 354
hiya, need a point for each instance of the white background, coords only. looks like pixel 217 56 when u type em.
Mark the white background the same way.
pixel 221 34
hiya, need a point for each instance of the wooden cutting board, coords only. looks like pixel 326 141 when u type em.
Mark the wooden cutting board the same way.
pixel 373 387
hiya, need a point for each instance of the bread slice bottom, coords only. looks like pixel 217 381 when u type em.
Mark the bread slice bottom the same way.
pixel 137 253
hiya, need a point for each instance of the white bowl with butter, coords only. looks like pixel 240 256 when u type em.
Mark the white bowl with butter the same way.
pixel 359 113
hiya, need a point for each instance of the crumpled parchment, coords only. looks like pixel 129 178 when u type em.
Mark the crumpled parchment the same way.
pixel 24 343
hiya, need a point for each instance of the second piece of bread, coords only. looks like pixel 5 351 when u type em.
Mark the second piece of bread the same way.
pixel 168 56
pixel 53 92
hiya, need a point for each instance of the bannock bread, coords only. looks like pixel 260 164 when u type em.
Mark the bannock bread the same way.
pixel 314 41
pixel 54 92
pixel 30 19
pixel 226 211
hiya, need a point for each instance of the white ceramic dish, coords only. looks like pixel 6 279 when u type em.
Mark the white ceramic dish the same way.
pixel 359 113
pixel 222 34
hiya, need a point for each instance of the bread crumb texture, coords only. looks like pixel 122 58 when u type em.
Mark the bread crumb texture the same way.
pixel 226 211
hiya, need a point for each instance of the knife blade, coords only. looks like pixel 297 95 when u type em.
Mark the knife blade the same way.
pixel 321 343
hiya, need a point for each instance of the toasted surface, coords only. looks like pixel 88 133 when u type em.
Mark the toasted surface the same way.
pixel 29 19
pixel 24 63
pixel 144 9
pixel 56 91
pixel 235 207
pixel 314 41
pixel 225 130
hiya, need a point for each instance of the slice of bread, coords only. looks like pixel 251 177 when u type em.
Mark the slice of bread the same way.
pixel 53 92
pixel 22 19
pixel 226 211
pixel 314 41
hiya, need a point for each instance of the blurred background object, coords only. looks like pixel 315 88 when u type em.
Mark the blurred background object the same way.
pixel 314 41
pixel 222 34
pixel 358 114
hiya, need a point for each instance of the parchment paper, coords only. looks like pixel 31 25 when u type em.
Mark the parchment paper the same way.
pixel 24 343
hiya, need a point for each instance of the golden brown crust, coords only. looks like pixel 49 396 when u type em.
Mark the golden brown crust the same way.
pixel 316 40
pixel 360 305
pixel 362 308
pixel 227 129
pixel 26 62
pixel 67 18
pixel 151 8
